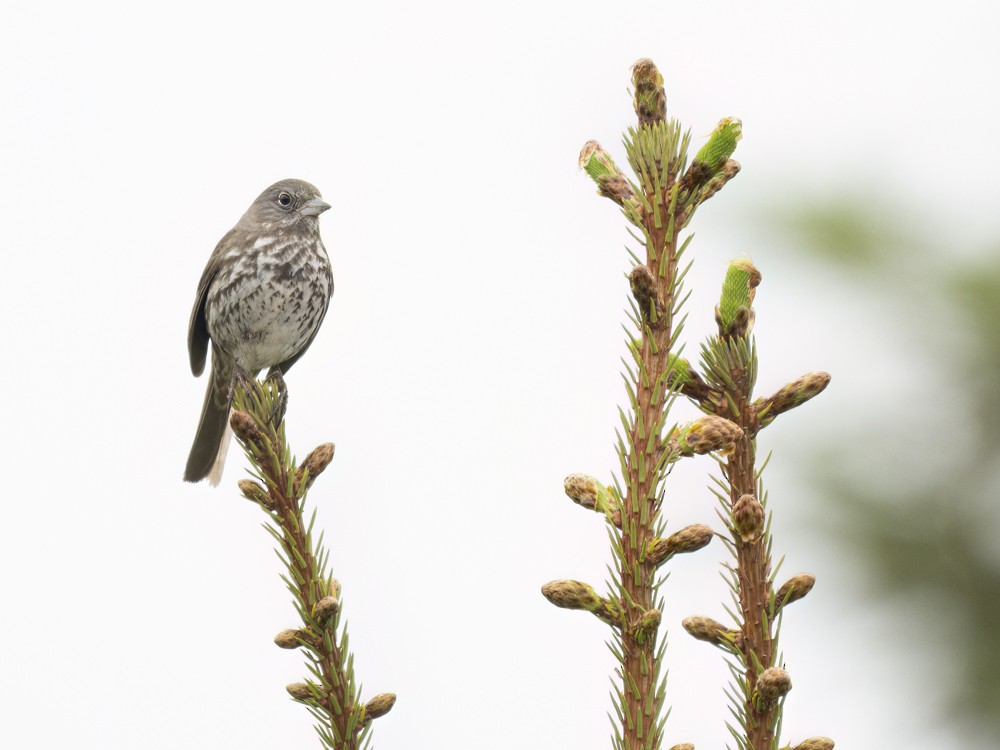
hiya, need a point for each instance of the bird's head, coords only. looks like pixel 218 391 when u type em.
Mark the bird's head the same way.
pixel 287 203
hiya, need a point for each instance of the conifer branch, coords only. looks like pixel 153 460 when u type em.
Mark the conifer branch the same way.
pixel 659 202
pixel 330 693
pixel 729 365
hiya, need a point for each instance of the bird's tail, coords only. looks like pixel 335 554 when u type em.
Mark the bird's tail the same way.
pixel 211 443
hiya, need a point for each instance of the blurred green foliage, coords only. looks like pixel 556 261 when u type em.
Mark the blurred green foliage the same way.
pixel 925 522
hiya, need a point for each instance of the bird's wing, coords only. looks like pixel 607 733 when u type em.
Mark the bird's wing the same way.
pixel 198 327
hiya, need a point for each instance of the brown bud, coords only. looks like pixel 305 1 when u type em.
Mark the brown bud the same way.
pixel 289 639
pixel 773 683
pixel 729 171
pixel 316 462
pixel 579 595
pixel 794 394
pixel 650 98
pixel 325 610
pixel 709 630
pixel 245 427
pixel 793 589
pixel 748 518
pixel 254 492
pixel 690 538
pixel 815 743
pixel 300 691
pixel 571 594
pixel 586 491
pixel 380 705
pixel 644 290
pixel 705 435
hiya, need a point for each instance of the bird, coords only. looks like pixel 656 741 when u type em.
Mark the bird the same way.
pixel 260 302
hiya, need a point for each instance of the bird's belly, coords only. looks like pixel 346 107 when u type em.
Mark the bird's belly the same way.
pixel 266 321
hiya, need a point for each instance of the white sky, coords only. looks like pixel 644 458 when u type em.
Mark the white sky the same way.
pixel 468 363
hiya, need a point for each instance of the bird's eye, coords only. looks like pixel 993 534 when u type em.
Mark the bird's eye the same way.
pixel 285 200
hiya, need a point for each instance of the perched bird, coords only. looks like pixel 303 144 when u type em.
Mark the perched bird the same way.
pixel 260 302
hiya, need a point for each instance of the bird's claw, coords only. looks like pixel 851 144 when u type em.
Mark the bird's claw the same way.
pixel 281 403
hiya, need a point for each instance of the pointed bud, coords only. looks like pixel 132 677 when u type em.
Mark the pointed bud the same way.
pixel 734 313
pixel 571 595
pixel 644 290
pixel 706 434
pixel 689 539
pixel 793 589
pixel 650 100
pixel 585 490
pixel 579 595
pixel 289 639
pixel 326 609
pixel 300 691
pixel 794 394
pixel 245 427
pixel 254 492
pixel 588 492
pixel 748 518
pixel 721 144
pixel 611 182
pixel 316 462
pixel 380 705
pixel 773 683
pixel 714 185
pixel 815 743
pixel 709 630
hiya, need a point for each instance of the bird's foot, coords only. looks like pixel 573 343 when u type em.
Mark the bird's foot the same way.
pixel 281 403
pixel 242 379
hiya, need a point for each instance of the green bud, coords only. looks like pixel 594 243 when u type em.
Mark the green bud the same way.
pixel 611 182
pixel 721 144
pixel 735 308
pixel 679 370
pixel 683 746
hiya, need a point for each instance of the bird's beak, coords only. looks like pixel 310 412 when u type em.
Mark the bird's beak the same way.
pixel 314 207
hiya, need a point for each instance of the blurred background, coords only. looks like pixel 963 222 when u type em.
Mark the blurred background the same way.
pixel 470 360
